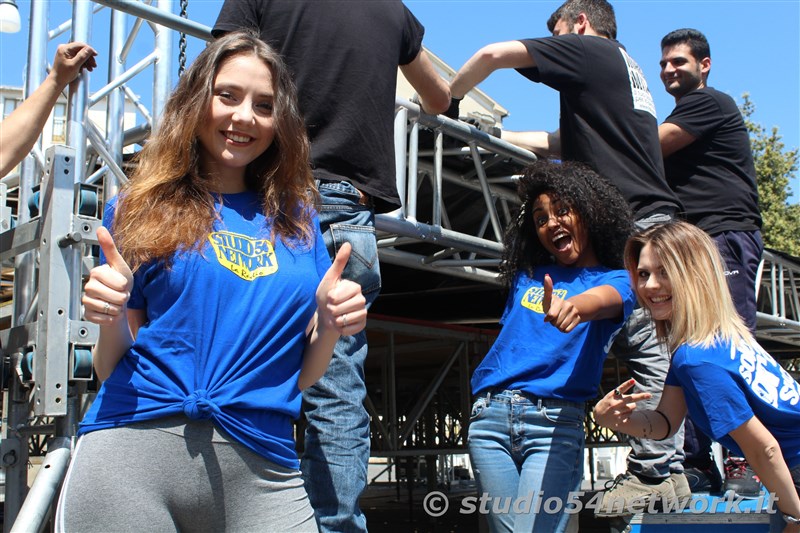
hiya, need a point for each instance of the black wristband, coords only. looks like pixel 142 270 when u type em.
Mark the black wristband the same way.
pixel 452 111
pixel 669 426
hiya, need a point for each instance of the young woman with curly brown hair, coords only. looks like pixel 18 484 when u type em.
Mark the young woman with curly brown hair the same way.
pixel 569 296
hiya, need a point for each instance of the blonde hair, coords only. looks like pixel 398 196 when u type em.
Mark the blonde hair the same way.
pixel 168 205
pixel 702 306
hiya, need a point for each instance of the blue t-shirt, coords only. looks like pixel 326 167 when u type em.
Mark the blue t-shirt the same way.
pixel 725 386
pixel 533 356
pixel 224 334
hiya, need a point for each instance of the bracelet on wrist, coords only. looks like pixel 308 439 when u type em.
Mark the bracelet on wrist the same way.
pixel 789 519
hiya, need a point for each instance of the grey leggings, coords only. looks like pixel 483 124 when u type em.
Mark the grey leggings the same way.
pixel 177 475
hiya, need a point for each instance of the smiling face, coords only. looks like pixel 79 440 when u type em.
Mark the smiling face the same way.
pixel 653 286
pixel 239 126
pixel 561 232
pixel 681 72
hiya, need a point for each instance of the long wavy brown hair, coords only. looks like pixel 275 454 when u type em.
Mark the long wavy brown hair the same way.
pixel 168 204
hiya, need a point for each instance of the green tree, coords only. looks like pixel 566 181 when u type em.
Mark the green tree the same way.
pixel 775 168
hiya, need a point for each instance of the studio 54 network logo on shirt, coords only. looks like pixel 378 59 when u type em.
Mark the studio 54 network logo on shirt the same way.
pixel 758 368
pixel 532 299
pixel 246 257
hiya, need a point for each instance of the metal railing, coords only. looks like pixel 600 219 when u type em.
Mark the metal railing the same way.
pixel 778 317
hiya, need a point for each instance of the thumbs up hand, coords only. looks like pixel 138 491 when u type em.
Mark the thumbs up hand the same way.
pixel 109 287
pixel 340 304
pixel 561 314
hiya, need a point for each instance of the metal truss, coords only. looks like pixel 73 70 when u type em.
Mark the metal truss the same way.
pixel 440 159
pixel 47 351
pixel 779 307
pixel 427 414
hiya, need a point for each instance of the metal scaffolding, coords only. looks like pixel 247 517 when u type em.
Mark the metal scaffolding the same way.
pixel 442 166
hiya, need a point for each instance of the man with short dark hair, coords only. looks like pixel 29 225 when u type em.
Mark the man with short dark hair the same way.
pixel 709 165
pixel 344 56
pixel 608 121
pixel 608 117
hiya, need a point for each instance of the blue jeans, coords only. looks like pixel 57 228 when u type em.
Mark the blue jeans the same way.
pixel 336 455
pixel 524 451
pixel 647 360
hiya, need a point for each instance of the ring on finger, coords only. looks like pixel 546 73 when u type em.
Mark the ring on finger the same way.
pixel 617 393
pixel 106 307
pixel 344 320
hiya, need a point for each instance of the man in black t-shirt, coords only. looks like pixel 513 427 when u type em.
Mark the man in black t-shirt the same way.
pixel 709 163
pixel 608 121
pixel 608 118
pixel 344 56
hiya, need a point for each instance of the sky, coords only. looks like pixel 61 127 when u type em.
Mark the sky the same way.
pixel 755 49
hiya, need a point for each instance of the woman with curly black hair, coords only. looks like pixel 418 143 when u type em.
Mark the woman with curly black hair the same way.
pixel 563 266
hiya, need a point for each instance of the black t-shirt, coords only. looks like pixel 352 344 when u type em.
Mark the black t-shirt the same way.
pixel 608 118
pixel 714 177
pixel 344 56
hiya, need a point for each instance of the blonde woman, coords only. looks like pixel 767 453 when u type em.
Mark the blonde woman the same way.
pixel 734 391
pixel 217 305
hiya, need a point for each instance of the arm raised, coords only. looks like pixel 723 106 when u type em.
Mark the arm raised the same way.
pixel 433 91
pixel 594 304
pixel 341 310
pixel 21 128
pixel 105 302
pixel 509 54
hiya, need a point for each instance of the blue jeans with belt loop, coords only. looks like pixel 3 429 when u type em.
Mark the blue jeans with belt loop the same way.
pixel 336 455
pixel 527 454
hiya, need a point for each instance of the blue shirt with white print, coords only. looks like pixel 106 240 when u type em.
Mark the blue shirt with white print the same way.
pixel 726 385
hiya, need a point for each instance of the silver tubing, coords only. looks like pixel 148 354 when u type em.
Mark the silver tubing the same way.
pixel 123 77
pixel 161 15
pixel 400 158
pixel 35 510
pixel 487 194
pixel 79 96
pixel 162 73
pixel 13 446
pixel 115 117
